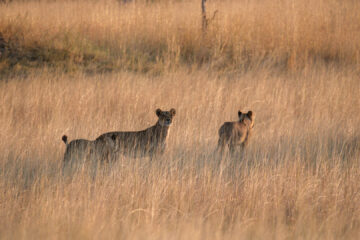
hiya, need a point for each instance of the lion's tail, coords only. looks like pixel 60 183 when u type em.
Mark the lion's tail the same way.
pixel 64 138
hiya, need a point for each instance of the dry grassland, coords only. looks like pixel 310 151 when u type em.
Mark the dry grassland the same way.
pixel 299 178
pixel 103 36
pixel 295 64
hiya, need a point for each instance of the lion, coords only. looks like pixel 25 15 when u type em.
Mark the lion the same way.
pixel 78 148
pixel 235 135
pixel 149 142
pixel 81 152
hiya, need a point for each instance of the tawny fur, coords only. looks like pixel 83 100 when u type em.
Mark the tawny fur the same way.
pixel 77 149
pixel 235 135
pixel 148 142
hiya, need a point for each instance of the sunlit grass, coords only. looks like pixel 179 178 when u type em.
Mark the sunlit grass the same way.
pixel 162 36
pixel 298 179
pixel 295 64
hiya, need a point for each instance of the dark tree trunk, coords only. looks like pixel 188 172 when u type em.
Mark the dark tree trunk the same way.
pixel 203 15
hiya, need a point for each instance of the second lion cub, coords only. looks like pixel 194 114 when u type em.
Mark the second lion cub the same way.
pixel 235 135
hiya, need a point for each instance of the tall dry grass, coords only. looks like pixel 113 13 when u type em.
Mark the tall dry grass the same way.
pixel 299 178
pixel 165 35
pixel 294 63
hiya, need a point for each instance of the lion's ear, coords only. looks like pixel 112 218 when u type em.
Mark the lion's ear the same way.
pixel 172 112
pixel 250 114
pixel 158 112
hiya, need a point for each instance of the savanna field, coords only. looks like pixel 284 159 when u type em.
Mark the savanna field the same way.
pixel 82 68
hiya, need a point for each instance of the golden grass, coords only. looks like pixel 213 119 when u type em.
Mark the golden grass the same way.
pixel 158 37
pixel 294 63
pixel 299 178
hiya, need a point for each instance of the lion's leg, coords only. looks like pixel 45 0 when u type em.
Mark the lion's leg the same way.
pixel 156 153
pixel 232 148
pixel 221 145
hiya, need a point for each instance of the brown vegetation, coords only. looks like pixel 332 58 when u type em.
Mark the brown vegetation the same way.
pixel 165 35
pixel 298 178
pixel 293 63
